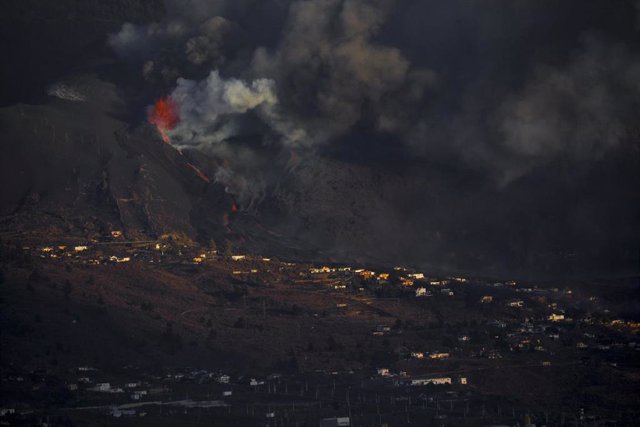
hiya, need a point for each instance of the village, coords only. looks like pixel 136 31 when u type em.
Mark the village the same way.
pixel 359 346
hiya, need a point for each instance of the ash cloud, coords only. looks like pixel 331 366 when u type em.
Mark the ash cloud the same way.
pixel 332 75
pixel 207 108
pixel 482 98
pixel 582 110
pixel 134 41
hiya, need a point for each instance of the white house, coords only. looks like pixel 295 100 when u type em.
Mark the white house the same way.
pixel 434 381
pixel 383 372
pixel 336 422
pixel 421 292
pixel 439 356
pixel 105 387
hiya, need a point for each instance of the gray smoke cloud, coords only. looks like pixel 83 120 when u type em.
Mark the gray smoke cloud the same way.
pixel 68 93
pixel 581 111
pixel 497 90
pixel 208 45
pixel 212 113
pixel 327 71
pixel 330 73
pixel 134 41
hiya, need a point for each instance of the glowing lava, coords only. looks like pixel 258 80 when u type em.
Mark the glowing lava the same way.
pixel 200 174
pixel 227 215
pixel 164 116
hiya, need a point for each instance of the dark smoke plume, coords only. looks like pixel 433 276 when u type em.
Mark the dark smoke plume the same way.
pixel 450 101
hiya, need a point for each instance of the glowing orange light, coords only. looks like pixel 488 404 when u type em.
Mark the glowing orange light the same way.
pixel 164 116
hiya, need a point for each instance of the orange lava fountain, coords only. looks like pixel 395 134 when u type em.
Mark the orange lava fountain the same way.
pixel 164 116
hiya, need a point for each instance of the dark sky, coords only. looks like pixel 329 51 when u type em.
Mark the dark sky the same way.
pixel 492 136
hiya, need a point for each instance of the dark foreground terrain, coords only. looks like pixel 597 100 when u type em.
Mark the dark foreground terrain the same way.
pixel 115 332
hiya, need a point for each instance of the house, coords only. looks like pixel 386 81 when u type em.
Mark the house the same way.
pixel 123 412
pixel 486 299
pixel 417 355
pixel 366 274
pixel 516 303
pixel 9 411
pixel 406 281
pixel 227 393
pixel 439 356
pixel 336 422
pixel 323 269
pixel 447 292
pixel 224 379
pixel 556 317
pixel 383 372
pixel 417 276
pixel 421 292
pixel 498 323
pixel 416 382
pixel 462 380
pixel 238 257
pixel 254 382
pixel 102 387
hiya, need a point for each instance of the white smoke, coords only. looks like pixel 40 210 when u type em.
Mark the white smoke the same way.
pixel 134 41
pixel 580 111
pixel 209 108
pixel 68 93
